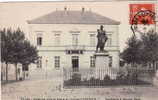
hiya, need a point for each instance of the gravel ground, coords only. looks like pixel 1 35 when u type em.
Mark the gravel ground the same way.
pixel 50 89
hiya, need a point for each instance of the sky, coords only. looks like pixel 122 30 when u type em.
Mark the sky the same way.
pixel 15 14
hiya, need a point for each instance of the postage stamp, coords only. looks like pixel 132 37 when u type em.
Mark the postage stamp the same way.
pixel 142 17
pixel 79 50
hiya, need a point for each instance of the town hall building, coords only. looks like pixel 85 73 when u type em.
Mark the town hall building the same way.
pixel 68 38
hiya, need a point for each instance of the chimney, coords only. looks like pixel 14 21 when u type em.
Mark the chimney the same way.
pixel 65 8
pixel 83 9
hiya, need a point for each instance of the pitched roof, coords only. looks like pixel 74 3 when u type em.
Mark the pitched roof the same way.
pixel 73 17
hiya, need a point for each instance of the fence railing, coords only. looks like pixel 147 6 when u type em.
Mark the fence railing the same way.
pixel 107 77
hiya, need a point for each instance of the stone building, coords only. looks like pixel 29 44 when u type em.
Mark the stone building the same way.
pixel 67 38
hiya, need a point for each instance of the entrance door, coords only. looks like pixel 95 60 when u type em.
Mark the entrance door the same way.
pixel 75 63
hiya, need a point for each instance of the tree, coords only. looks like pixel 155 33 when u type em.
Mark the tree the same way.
pixel 150 47
pixel 15 49
pixel 23 51
pixel 4 51
pixel 132 54
pixel 143 51
pixel 29 55
pixel 17 38
pixel 6 43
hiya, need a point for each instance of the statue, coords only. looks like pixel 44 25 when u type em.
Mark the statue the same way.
pixel 102 38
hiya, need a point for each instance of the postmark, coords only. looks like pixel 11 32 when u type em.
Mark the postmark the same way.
pixel 142 18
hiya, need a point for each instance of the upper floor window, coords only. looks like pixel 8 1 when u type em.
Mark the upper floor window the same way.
pixel 75 39
pixel 92 39
pixel 92 61
pixel 57 39
pixel 57 61
pixel 39 41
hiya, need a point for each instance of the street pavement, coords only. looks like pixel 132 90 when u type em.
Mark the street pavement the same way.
pixel 47 85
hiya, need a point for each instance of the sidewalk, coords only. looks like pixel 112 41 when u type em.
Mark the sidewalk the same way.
pixel 4 82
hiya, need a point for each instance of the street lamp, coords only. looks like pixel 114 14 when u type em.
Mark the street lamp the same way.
pixel 46 68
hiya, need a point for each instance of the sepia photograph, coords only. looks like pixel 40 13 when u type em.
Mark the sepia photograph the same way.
pixel 79 50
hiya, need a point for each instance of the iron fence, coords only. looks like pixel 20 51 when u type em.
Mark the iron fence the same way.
pixel 94 77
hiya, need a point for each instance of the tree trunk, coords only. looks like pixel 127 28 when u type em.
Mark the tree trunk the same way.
pixel 1 76
pixel 16 71
pixel 6 71
pixel 23 71
pixel 2 69
pixel 154 66
pixel 132 64
pixel 24 74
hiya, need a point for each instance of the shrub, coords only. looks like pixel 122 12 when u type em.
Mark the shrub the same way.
pixel 76 76
pixel 91 81
pixel 129 78
pixel 107 78
pixel 122 78
pixel 85 81
pixel 76 79
pixel 133 78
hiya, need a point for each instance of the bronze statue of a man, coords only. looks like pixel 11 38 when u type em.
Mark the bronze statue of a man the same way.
pixel 102 38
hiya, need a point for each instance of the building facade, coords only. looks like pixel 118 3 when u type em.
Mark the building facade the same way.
pixel 68 39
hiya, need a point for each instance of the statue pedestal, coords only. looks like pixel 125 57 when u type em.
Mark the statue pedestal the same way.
pixel 101 65
pixel 155 79
pixel 101 60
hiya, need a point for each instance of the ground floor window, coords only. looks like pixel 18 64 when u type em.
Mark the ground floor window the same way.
pixel 25 67
pixel 75 63
pixel 92 61
pixel 57 61
pixel 156 65
pixel 110 61
pixel 39 62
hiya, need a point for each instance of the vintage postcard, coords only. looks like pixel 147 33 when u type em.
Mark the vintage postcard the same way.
pixel 79 50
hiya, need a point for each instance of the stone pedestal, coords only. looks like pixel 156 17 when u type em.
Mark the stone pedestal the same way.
pixel 101 65
pixel 101 60
pixel 155 79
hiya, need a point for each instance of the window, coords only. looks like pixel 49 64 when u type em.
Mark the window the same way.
pixel 57 39
pixel 57 61
pixel 75 63
pixel 92 61
pixel 39 41
pixel 39 38
pixel 75 39
pixel 39 62
pixel 110 61
pixel 109 41
pixel 156 65
pixel 92 39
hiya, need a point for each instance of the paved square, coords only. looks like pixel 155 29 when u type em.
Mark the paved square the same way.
pixel 51 88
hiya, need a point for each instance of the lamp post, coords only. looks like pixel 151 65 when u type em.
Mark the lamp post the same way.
pixel 46 68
